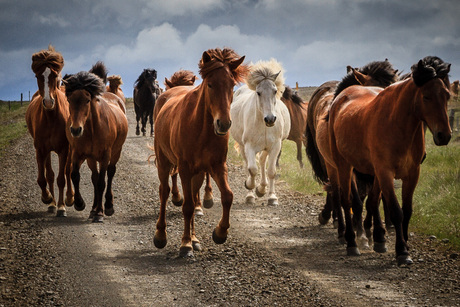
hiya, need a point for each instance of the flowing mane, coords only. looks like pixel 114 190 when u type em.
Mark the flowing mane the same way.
pixel 99 70
pixel 84 81
pixel 148 73
pixel 428 68
pixel 265 70
pixel 47 58
pixel 382 73
pixel 115 80
pixel 181 77
pixel 289 94
pixel 219 58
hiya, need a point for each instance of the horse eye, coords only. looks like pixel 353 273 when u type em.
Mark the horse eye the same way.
pixel 258 93
pixel 209 85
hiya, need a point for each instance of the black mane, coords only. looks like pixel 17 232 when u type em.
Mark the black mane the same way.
pixel 84 81
pixel 147 75
pixel 428 68
pixel 289 94
pixel 382 72
pixel 100 70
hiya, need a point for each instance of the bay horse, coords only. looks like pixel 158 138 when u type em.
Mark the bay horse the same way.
pixel 183 78
pixel 377 73
pixel 96 130
pixel 298 113
pixel 191 135
pixel 388 129
pixel 146 92
pixel 115 82
pixel 46 118
pixel 261 123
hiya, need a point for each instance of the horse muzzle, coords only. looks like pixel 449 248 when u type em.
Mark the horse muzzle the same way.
pixel 221 128
pixel 48 104
pixel 270 120
pixel 76 132
pixel 441 138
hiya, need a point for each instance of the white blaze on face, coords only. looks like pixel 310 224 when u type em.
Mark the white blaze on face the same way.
pixel 46 87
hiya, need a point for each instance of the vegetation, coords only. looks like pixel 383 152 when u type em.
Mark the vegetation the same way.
pixel 12 122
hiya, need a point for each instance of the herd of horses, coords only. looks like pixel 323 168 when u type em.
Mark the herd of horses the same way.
pixel 360 134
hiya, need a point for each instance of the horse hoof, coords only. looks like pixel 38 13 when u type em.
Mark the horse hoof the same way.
pixel 52 208
pixel 143 133
pixel 69 201
pixel 48 200
pixel 380 247
pixel 272 202
pixel 363 242
pixel 159 243
pixel 258 193
pixel 199 211
pixel 322 220
pixel 79 204
pixel 342 240
pixel 98 218
pixel 109 211
pixel 353 251
pixel 61 213
pixel 137 132
pixel 404 260
pixel 208 203
pixel 178 203
pixel 185 252
pixel 335 224
pixel 217 239
pixel 250 200
pixel 246 186
pixel 197 246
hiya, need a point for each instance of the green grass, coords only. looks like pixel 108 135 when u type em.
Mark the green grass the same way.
pixel 12 123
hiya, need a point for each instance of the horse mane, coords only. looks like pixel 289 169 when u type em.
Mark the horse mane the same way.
pixel 147 74
pixel 264 70
pixel 181 77
pixel 115 80
pixel 428 68
pixel 289 94
pixel 220 58
pixel 382 72
pixel 47 58
pixel 100 70
pixel 84 80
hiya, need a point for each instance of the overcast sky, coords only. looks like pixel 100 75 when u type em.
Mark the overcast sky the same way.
pixel 314 39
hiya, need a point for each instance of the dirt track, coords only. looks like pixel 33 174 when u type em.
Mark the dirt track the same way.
pixel 273 255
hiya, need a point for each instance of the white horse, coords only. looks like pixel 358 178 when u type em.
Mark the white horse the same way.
pixel 260 123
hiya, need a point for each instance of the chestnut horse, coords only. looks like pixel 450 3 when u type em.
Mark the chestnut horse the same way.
pixel 388 142
pixel 114 86
pixel 146 92
pixel 96 130
pixel 183 78
pixel 46 118
pixel 377 73
pixel 191 133
pixel 298 113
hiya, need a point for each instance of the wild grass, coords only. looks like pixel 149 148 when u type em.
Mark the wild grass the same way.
pixel 12 123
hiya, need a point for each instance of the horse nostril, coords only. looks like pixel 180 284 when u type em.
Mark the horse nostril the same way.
pixel 218 123
pixel 75 131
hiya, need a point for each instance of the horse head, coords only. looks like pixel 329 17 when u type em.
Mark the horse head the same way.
pixel 266 79
pixel 81 90
pixel 221 70
pixel 430 75
pixel 47 66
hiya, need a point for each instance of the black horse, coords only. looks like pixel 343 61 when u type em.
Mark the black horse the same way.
pixel 146 92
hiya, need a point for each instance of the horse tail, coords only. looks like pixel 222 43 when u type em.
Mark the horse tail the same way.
pixel 315 158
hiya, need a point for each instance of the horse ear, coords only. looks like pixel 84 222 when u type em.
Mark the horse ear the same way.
pixel 274 76
pixel 168 83
pixel 193 79
pixel 234 64
pixel 360 77
pixel 448 68
pixel 206 57
pixel 349 69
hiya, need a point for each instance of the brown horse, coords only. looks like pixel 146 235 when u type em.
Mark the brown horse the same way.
pixel 378 73
pixel 183 78
pixel 46 118
pixel 114 86
pixel 96 130
pixel 298 113
pixel 388 142
pixel 191 133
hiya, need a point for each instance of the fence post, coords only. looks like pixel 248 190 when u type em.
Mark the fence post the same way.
pixel 21 99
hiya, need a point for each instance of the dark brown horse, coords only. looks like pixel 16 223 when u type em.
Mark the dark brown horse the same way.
pixel 114 86
pixel 96 130
pixel 378 73
pixel 183 78
pixel 388 142
pixel 46 118
pixel 191 133
pixel 145 94
pixel 298 113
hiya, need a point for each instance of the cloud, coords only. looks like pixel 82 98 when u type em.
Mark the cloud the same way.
pixel 51 20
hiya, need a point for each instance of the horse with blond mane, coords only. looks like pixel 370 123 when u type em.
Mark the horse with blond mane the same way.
pixel 191 134
pixel 115 82
pixel 261 123
pixel 46 119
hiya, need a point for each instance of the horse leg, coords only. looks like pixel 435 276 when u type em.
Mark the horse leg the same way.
pixel 261 189
pixel 176 198
pixel 208 201
pixel 151 122
pixel 219 174
pixel 163 166
pixel 357 207
pixel 197 182
pixel 138 117
pixel 92 164
pixel 408 189
pixel 388 224
pixel 47 198
pixel 271 172
pixel 335 202
pixel 249 157
pixel 79 203
pixel 325 214
pixel 299 152
pixel 49 174
pixel 69 200
pixel 188 211
pixel 60 180
pixel 108 205
pixel 144 123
